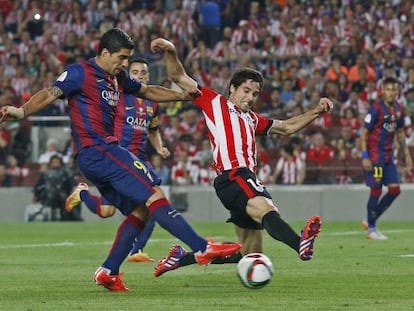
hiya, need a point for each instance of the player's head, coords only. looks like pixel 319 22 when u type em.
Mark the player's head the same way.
pixel 389 89
pixel 138 69
pixel 244 87
pixel 115 47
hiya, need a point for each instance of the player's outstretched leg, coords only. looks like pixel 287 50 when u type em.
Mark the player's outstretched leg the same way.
pixel 171 262
pixel 309 234
pixel 172 221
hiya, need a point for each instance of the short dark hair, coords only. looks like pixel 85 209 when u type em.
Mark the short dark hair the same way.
pixel 390 80
pixel 288 148
pixel 137 59
pixel 114 40
pixel 242 75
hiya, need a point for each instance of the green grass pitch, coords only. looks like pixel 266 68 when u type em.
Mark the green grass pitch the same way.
pixel 48 266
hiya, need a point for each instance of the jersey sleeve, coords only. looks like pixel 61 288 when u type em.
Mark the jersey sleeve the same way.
pixel 131 85
pixel 71 80
pixel 207 95
pixel 263 125
pixel 154 121
pixel 370 118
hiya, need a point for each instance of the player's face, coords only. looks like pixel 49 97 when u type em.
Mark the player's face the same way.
pixel 245 95
pixel 139 71
pixel 115 62
pixel 389 93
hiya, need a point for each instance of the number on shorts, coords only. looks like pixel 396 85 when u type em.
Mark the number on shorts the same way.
pixel 378 172
pixel 142 167
pixel 256 184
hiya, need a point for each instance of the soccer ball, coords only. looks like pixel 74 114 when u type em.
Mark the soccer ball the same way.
pixel 255 270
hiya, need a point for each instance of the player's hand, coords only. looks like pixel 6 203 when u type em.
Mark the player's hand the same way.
pixel 325 105
pixel 192 93
pixel 164 152
pixel 161 44
pixel 10 113
pixel 367 165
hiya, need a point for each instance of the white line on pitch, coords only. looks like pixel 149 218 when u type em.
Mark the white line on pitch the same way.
pixel 68 243
pixel 339 233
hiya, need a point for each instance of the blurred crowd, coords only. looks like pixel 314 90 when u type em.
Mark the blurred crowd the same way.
pixel 305 49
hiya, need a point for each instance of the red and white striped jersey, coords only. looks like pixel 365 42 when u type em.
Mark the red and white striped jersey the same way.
pixel 290 170
pixel 231 131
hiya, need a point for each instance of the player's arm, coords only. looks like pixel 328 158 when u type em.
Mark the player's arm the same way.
pixel 154 136
pixel 295 124
pixel 175 68
pixel 366 162
pixel 161 94
pixel 37 102
pixel 404 148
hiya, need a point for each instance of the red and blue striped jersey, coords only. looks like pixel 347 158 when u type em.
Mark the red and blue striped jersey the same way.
pixel 133 119
pixel 93 97
pixel 382 122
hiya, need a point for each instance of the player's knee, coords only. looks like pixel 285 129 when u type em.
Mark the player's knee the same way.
pixel 107 211
pixel 157 195
pixel 394 190
pixel 376 192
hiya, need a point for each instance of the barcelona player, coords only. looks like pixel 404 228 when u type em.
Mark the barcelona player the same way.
pixel 94 89
pixel 136 122
pixel 382 124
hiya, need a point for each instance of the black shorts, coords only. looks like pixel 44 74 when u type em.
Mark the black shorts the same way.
pixel 234 188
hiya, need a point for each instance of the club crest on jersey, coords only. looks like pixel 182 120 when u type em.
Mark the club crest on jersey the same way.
pixel 150 110
pixel 111 97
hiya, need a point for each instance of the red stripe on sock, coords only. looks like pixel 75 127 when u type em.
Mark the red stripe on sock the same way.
pixel 158 204
pixel 135 221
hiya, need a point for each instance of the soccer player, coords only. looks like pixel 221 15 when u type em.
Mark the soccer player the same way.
pixel 94 89
pixel 382 124
pixel 136 122
pixel 232 127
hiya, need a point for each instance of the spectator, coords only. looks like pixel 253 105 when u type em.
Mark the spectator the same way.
pixel 5 139
pixel 319 151
pixel 21 146
pixel 290 170
pixel 350 118
pixel 162 170
pixel 53 187
pixel 210 23
pixel 52 149
pixel 335 69
pixel 354 71
pixel 184 171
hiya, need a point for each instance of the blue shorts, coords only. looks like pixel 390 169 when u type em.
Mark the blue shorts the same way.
pixel 382 174
pixel 120 177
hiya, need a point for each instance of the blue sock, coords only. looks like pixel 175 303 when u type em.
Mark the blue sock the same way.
pixel 171 220
pixel 143 237
pixel 92 202
pixel 125 236
pixel 372 213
